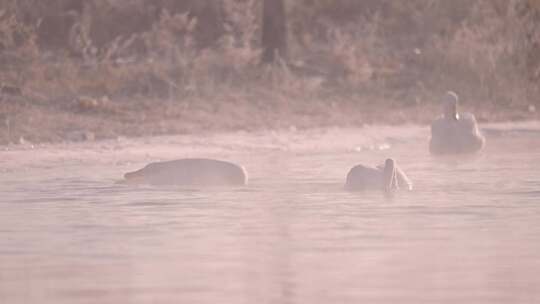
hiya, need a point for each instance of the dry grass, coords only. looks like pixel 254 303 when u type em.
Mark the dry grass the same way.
pixel 350 61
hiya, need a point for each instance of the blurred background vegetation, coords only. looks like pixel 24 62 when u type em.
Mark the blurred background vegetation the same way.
pixel 190 60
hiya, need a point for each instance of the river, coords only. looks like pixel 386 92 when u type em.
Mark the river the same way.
pixel 468 233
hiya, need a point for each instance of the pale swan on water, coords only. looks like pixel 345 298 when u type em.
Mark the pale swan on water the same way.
pixel 388 177
pixel 190 171
pixel 455 132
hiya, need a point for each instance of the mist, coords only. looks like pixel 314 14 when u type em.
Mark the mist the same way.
pixel 269 151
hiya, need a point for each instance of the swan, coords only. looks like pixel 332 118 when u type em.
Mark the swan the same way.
pixel 454 132
pixel 388 178
pixel 190 171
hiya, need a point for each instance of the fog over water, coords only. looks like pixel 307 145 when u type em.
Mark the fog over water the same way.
pixel 468 233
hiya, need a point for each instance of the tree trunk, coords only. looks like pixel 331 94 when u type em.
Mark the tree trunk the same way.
pixel 274 31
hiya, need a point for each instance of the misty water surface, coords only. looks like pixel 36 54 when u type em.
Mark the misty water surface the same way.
pixel 469 233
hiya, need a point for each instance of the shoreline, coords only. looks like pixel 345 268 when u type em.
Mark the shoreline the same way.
pixel 233 145
pixel 26 122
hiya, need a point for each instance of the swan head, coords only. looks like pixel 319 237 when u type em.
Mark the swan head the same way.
pixel 450 105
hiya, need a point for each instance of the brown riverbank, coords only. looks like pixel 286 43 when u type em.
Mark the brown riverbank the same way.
pixel 74 70
pixel 87 119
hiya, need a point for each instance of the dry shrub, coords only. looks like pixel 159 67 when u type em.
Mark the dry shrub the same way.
pixel 402 50
pixel 486 56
